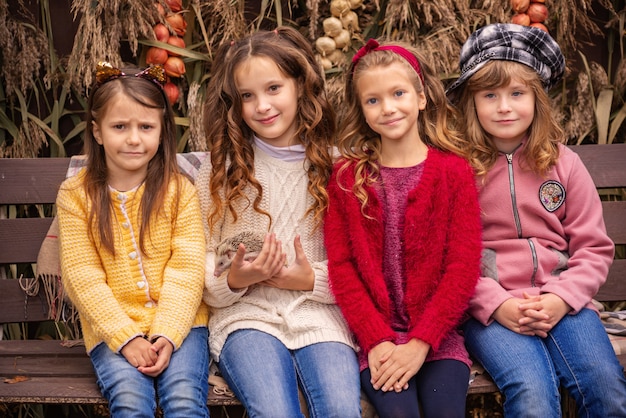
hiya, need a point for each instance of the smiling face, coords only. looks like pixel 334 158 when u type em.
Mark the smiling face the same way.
pixel 390 103
pixel 130 134
pixel 506 113
pixel 269 101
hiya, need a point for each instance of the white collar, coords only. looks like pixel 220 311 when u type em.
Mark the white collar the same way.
pixel 292 153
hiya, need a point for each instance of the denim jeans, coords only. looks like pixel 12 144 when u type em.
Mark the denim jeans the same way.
pixel 264 375
pixel 528 370
pixel 181 389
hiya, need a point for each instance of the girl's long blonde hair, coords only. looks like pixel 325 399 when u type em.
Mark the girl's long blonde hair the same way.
pixel 359 143
pixel 230 139
pixel 541 151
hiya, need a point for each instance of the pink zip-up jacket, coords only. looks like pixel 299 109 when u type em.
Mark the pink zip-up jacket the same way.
pixel 540 235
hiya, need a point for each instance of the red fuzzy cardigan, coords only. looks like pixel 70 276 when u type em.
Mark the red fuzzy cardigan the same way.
pixel 442 248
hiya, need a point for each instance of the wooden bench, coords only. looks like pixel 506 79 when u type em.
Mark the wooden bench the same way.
pixel 58 374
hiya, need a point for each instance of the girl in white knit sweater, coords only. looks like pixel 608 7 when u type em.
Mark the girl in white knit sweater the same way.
pixel 274 325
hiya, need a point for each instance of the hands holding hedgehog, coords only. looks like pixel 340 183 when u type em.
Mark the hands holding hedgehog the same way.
pixel 253 260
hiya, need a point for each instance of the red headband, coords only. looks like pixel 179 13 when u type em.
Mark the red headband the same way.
pixel 373 45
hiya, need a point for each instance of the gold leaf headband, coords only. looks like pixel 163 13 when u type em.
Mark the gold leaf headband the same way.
pixel 105 72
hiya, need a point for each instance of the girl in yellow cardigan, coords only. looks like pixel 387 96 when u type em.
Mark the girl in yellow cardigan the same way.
pixel 132 252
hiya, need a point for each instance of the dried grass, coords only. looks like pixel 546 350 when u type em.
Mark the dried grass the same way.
pixel 224 20
pixel 23 50
pixel 581 114
pixel 197 138
pixel 31 138
pixel 102 28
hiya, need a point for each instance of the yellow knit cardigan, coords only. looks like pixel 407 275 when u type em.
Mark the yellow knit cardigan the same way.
pixel 130 294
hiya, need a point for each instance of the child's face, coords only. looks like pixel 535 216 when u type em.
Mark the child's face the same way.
pixel 506 113
pixel 269 101
pixel 390 103
pixel 130 134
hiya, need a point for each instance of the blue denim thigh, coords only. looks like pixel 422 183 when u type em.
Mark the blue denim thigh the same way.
pixel 587 366
pixel 520 366
pixel 329 377
pixel 260 371
pixel 129 392
pixel 184 385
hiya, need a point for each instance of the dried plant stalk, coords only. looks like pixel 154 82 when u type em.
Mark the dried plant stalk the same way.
pixel 224 20
pixel 23 50
pixel 197 137
pixel 30 139
pixel 103 26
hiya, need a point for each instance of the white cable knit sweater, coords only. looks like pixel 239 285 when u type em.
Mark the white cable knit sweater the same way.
pixel 296 318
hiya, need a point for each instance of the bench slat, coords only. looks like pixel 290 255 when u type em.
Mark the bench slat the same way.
pixel 615 220
pixel 26 234
pixel 42 348
pixel 615 287
pixel 50 366
pixel 13 307
pixel 76 390
pixel 30 180
pixel 52 390
pixel 605 163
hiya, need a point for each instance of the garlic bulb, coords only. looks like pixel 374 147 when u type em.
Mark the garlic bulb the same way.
pixel 325 45
pixel 339 7
pixel 332 26
pixel 350 21
pixel 344 39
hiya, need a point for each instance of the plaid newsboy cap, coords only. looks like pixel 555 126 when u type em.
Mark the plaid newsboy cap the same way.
pixel 510 42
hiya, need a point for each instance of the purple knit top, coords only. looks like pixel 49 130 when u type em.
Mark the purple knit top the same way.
pixel 394 189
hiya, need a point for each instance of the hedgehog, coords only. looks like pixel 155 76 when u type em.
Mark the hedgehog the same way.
pixel 225 250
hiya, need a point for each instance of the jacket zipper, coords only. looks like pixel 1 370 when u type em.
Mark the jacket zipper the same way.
pixel 518 224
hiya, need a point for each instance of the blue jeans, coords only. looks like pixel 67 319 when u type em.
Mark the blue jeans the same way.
pixel 264 375
pixel 528 370
pixel 182 388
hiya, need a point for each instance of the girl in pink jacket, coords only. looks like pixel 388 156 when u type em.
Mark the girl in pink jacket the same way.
pixel 545 248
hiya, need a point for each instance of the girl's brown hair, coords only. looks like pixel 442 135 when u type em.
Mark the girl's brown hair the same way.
pixel 161 170
pixel 230 139
pixel 541 151
pixel 359 143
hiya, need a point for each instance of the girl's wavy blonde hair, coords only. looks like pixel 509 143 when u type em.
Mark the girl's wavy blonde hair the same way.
pixel 359 144
pixel 230 139
pixel 541 151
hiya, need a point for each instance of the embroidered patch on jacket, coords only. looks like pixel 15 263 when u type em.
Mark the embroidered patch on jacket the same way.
pixel 552 195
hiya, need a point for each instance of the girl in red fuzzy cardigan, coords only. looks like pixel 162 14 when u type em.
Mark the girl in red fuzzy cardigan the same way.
pixel 403 235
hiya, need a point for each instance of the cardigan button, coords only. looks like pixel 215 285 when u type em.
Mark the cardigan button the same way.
pixel 133 255
pixel 141 284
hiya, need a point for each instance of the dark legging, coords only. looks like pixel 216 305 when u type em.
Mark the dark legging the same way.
pixel 439 389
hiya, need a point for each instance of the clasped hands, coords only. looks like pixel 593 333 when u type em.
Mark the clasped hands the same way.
pixel 532 315
pixel 393 365
pixel 149 358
